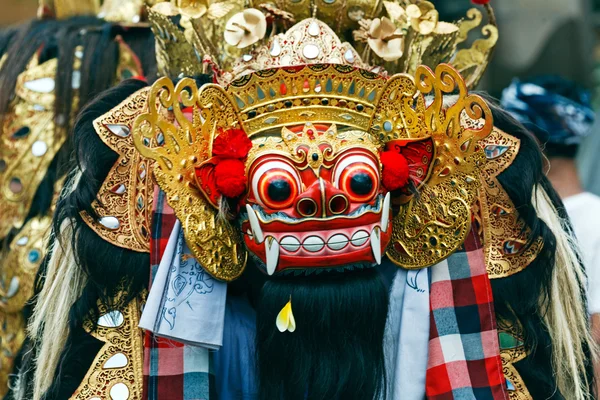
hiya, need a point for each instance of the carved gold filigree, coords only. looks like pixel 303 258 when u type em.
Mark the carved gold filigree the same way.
pixel 29 142
pixel 21 264
pixel 182 48
pixel 308 42
pixel 12 332
pixel 512 350
pixel 326 147
pixel 124 202
pixel 472 62
pixel 116 372
pixel 503 231
pixel 187 143
pixel 433 225
pixel 19 267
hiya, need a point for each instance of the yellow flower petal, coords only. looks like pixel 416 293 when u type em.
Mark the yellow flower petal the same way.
pixel 285 319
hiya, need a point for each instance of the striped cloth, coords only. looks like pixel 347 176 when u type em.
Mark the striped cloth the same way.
pixel 464 356
pixel 172 370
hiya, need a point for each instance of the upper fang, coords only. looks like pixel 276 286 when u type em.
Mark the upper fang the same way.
pixel 255 225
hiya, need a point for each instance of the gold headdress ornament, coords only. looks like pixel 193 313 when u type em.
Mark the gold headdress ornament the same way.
pixel 396 37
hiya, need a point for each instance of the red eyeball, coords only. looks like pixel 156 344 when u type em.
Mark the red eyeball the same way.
pixel 358 177
pixel 275 185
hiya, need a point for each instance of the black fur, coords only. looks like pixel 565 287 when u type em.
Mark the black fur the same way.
pixel 336 351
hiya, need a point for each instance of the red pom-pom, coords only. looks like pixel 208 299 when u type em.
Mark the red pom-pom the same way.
pixel 395 170
pixel 232 143
pixel 230 177
pixel 480 2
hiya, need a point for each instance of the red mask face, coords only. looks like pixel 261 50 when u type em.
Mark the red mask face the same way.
pixel 315 201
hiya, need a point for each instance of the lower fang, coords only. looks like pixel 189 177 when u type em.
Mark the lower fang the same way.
pixel 271 254
pixel 376 244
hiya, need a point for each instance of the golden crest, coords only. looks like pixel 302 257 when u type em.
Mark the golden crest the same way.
pixel 505 235
pixel 117 370
pixel 472 62
pixel 213 240
pixel 124 201
pixel 432 225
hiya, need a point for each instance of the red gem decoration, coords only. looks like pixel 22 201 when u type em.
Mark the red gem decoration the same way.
pixel 283 89
pixel 395 170
pixel 480 2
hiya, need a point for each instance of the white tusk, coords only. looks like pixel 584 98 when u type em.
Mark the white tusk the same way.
pixel 376 244
pixel 255 225
pixel 272 254
pixel 385 213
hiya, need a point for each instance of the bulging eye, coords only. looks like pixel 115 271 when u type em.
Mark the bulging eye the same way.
pixel 358 177
pixel 275 185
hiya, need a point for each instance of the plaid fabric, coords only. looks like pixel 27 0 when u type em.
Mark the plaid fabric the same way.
pixel 464 357
pixel 172 370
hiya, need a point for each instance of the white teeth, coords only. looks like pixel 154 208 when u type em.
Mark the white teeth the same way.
pixel 376 244
pixel 337 242
pixel 272 254
pixel 313 244
pixel 290 244
pixel 255 225
pixel 360 238
pixel 385 213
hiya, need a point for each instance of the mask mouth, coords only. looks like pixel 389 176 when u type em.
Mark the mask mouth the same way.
pixel 312 243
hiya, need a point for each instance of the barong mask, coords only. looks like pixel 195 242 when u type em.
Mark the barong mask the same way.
pixel 315 167
pixel 235 158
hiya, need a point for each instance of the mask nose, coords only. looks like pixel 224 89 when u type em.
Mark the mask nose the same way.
pixel 322 200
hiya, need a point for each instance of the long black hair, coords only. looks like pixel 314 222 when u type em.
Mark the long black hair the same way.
pixel 336 351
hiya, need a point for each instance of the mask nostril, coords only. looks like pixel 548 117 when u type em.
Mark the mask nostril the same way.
pixel 338 204
pixel 306 207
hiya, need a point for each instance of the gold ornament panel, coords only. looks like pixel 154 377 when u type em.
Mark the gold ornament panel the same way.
pixel 434 224
pixel 512 350
pixel 213 240
pixel 504 232
pixel 21 264
pixel 124 201
pixel 29 141
pixel 117 370
pixel 12 332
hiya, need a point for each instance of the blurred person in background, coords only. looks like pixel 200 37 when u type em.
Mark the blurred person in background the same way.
pixel 560 114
